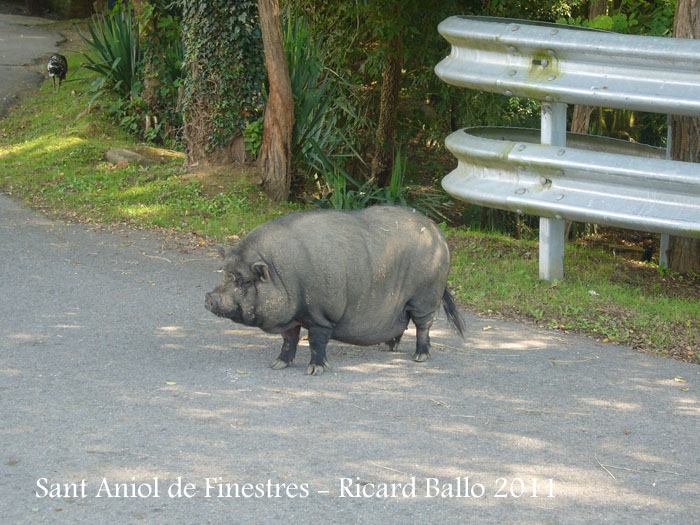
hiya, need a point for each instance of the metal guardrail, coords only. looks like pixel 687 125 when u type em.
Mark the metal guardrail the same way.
pixel 558 63
pixel 615 189
pixel 560 176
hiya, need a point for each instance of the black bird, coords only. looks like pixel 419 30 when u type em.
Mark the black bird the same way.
pixel 57 67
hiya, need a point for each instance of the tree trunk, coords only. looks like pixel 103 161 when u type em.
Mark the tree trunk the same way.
pixel 388 110
pixel 581 119
pixel 150 42
pixel 684 253
pixel 32 7
pixel 275 153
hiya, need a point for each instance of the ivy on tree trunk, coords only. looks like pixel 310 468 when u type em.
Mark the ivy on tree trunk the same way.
pixel 225 77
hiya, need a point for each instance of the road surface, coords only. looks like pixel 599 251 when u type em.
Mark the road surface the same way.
pixel 25 48
pixel 123 400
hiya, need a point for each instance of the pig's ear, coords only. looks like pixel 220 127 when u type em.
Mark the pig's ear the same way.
pixel 261 270
pixel 222 250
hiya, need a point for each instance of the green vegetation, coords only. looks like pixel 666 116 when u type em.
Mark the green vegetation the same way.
pixel 641 17
pixel 341 197
pixel 114 53
pixel 324 137
pixel 52 154
pixel 611 297
pixel 144 71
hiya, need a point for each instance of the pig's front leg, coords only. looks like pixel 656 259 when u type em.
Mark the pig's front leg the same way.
pixel 318 339
pixel 289 348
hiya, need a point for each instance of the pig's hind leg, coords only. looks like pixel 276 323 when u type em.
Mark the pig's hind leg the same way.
pixel 392 344
pixel 289 348
pixel 422 338
pixel 423 318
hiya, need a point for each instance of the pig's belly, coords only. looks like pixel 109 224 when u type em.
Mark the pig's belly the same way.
pixel 370 330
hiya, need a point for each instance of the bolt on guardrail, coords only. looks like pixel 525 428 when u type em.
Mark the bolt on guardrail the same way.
pixel 616 185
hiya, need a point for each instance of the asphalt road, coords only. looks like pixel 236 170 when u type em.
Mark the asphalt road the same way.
pixel 112 372
pixel 25 47
pixel 123 401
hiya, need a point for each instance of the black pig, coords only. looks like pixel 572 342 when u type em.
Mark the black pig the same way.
pixel 356 277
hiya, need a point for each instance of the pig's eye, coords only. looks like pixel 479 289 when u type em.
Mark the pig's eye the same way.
pixel 242 284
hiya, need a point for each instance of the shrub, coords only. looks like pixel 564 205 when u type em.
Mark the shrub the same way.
pixel 341 197
pixel 323 117
pixel 114 53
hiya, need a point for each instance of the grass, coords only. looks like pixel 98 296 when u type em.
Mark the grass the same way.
pixel 52 156
pixel 613 298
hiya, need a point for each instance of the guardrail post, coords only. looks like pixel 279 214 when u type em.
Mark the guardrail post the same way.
pixel 603 183
pixel 552 231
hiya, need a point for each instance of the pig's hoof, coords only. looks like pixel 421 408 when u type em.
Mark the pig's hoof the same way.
pixel 280 364
pixel 393 344
pixel 315 370
pixel 421 357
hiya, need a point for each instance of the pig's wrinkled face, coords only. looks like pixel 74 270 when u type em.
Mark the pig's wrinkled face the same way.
pixel 237 297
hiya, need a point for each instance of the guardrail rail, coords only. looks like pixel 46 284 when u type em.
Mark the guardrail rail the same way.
pixel 559 176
